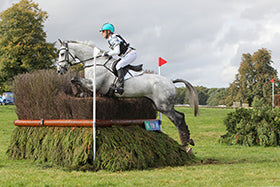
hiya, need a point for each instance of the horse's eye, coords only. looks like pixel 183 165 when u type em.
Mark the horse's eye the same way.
pixel 62 54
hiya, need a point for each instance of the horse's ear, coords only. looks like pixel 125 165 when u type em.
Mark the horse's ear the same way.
pixel 60 41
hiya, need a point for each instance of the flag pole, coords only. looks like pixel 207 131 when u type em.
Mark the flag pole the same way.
pixel 160 114
pixel 95 52
pixel 161 61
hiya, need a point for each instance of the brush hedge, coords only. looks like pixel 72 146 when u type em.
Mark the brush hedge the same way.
pixel 118 148
pixel 45 94
pixel 259 126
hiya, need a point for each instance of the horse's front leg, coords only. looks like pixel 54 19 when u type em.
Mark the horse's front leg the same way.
pixel 82 86
pixel 77 91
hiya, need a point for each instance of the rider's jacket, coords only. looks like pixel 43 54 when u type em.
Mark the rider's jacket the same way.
pixel 117 45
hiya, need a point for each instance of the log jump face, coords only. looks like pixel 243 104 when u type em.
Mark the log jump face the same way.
pixel 78 123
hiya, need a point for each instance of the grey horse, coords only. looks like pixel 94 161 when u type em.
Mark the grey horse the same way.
pixel 159 89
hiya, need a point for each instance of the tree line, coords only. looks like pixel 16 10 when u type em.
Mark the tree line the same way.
pixel 206 96
pixel 253 83
pixel 23 48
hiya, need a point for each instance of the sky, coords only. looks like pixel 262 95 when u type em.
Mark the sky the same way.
pixel 202 41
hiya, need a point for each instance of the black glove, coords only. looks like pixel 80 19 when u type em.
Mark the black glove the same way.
pixel 105 53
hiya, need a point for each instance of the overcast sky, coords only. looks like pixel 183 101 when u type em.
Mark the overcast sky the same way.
pixel 202 41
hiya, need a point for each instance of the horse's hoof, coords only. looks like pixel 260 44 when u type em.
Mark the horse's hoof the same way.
pixel 75 80
pixel 119 91
pixel 189 151
pixel 191 142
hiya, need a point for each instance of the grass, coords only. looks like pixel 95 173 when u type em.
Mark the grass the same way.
pixel 217 164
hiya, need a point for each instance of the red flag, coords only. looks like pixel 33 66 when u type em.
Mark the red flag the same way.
pixel 272 80
pixel 161 61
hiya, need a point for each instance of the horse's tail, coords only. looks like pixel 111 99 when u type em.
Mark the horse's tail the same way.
pixel 193 97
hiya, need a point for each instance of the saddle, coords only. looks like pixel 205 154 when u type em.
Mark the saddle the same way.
pixel 136 68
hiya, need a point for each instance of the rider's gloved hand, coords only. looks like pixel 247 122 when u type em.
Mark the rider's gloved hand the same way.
pixel 105 53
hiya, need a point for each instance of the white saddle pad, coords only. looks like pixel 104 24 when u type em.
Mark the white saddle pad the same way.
pixel 131 74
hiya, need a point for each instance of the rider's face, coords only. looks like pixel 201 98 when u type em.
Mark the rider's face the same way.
pixel 105 33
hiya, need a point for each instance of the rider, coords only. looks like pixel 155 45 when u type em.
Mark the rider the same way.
pixel 120 50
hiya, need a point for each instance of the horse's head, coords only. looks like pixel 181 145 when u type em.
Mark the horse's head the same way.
pixel 74 52
pixel 65 58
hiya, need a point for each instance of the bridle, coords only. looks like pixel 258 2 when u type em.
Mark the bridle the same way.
pixel 68 54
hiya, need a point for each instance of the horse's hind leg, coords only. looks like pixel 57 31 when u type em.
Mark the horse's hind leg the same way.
pixel 184 128
pixel 178 119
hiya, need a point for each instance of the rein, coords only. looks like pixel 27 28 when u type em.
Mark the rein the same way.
pixel 104 65
pixel 68 53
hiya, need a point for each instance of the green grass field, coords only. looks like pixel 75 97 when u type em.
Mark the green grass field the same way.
pixel 217 164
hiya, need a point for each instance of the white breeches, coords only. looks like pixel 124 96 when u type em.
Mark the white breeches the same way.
pixel 127 59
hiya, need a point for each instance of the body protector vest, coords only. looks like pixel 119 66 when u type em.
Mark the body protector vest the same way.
pixel 118 40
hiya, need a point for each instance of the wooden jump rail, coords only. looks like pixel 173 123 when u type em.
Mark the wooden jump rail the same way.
pixel 78 122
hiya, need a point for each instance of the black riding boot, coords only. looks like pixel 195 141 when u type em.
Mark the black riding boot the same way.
pixel 120 82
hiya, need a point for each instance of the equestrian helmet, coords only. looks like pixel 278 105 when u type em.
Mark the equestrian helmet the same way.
pixel 107 26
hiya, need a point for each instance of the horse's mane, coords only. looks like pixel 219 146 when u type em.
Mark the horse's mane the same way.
pixel 88 43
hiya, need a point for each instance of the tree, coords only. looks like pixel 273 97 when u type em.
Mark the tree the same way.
pixel 253 79
pixel 181 95
pixel 202 94
pixel 23 45
pixel 216 96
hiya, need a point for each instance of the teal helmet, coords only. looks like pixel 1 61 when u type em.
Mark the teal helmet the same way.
pixel 107 26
